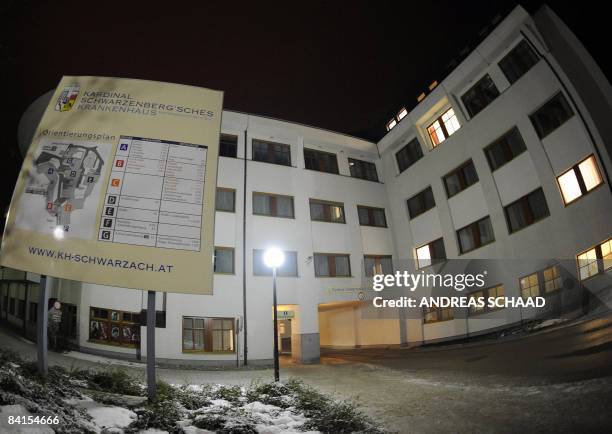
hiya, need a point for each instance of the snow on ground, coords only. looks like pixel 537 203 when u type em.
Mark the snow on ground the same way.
pixel 103 360
pixel 20 410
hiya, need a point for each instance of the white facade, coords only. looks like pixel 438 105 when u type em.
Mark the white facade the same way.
pixel 327 311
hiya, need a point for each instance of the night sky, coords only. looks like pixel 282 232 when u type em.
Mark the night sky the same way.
pixel 345 66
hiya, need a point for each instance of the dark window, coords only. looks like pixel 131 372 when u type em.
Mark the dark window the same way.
pixel 324 211
pixel 114 327
pixel 225 199
pixel 408 155
pixel 518 61
pixel 332 265
pixel 228 145
pixel 33 314
pixel 363 169
pixel 475 235
pixel 421 202
pixel 480 95
pixel 526 210
pixel 321 161
pixel 288 269
pixel 208 334
pixel 21 309
pixel 551 115
pixel 273 205
pixel 376 264
pixel 370 216
pixel 12 306
pixel 460 178
pixel 505 149
pixel 270 152
pixel 431 253
pixel 224 260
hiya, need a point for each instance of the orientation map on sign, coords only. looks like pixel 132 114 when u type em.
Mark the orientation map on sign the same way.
pixel 118 186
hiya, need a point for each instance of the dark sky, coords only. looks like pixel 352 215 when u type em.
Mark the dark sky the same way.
pixel 345 66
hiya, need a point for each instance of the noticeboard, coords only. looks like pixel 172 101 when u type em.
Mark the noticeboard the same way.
pixel 118 186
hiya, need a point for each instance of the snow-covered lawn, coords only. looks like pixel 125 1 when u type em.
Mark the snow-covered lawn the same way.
pixel 112 401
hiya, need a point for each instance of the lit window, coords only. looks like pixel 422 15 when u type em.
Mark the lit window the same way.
pixel 493 292
pixel 392 123
pixel 443 127
pixel 530 286
pixel 437 314
pixel 431 253
pixel 579 180
pixel 595 260
pixel 402 114
pixel 552 279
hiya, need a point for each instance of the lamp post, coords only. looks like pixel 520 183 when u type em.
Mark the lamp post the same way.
pixel 274 258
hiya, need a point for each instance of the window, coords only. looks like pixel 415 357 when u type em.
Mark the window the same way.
pixel 288 269
pixel 443 127
pixel 114 327
pixel 408 155
pixel 208 334
pixel 527 210
pixel 460 178
pixel 225 199
pixel 324 211
pixel 493 292
pixel 371 216
pixel 321 161
pixel 33 313
pixel 518 61
pixel 12 306
pixel 421 202
pixel 273 205
pixel 595 260
pixel 224 260
pixel 551 115
pixel 475 235
pixel 270 152
pixel 437 314
pixel 374 264
pixel 579 180
pixel 431 253
pixel 530 286
pixel 363 169
pixel 480 95
pixel 332 265
pixel 505 149
pixel 552 279
pixel 228 146
pixel 21 309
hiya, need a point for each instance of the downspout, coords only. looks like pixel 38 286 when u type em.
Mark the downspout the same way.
pixel 244 287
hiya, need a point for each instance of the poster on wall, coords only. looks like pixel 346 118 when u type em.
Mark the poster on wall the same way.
pixel 118 186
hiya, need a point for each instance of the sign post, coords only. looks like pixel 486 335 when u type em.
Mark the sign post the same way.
pixel 151 381
pixel 118 188
pixel 41 326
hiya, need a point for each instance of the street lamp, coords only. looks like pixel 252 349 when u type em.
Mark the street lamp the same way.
pixel 274 258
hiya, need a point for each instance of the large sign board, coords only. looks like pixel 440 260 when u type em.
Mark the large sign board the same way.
pixel 118 186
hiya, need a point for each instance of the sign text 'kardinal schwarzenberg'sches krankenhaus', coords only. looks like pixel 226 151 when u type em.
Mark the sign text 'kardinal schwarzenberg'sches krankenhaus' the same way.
pixel 118 186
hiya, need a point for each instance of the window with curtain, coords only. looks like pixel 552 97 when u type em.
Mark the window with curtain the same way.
pixel 225 199
pixel 271 152
pixel 527 210
pixel 371 216
pixel 324 211
pixel 443 127
pixel 272 205
pixel 438 314
pixel 421 202
pixel 332 265
pixel 475 235
pixel 363 169
pixel 208 334
pixel 505 149
pixel 288 269
pixel 377 264
pixel 460 178
pixel 224 260
pixel 579 180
